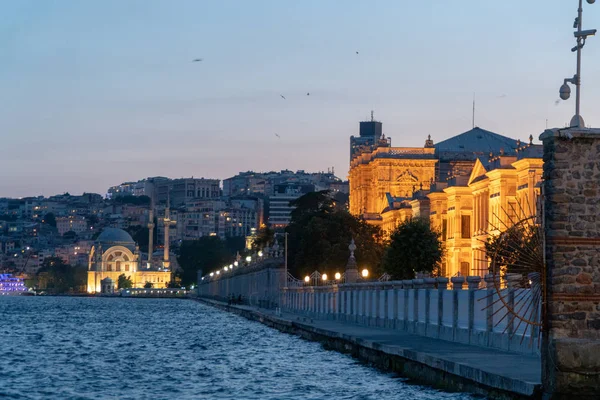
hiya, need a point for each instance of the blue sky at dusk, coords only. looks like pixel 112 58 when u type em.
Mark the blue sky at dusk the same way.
pixel 94 93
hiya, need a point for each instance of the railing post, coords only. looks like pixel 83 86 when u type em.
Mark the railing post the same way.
pixel 407 284
pixel 429 284
pixel 513 281
pixel 442 283
pixel 418 284
pixel 489 310
pixel 473 285
pixel 394 306
pixel 377 289
pixel 457 284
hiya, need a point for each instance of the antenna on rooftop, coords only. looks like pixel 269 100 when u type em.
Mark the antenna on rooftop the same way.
pixel 372 116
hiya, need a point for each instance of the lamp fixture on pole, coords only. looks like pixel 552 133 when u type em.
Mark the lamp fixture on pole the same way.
pixel 565 90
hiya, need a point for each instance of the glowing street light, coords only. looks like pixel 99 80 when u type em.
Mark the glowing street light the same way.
pixel 338 276
pixel 306 278
pixel 236 263
pixel 365 273
pixel 248 259
pixel 212 273
pixel 218 272
pixel 260 253
pixel 324 277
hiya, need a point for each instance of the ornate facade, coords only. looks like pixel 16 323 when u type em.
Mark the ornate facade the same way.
pixel 115 253
pixel 469 186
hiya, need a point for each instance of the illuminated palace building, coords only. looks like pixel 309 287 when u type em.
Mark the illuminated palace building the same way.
pixel 469 186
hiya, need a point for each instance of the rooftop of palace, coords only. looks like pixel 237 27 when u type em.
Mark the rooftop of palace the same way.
pixel 394 152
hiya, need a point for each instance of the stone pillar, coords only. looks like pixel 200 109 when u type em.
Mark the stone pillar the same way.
pixel 442 283
pixel 489 310
pixel 571 339
pixel 351 267
pixel 473 285
pixel 457 284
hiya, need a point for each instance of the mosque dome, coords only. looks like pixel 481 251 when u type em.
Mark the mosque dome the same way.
pixel 115 235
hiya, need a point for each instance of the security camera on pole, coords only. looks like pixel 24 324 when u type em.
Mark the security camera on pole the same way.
pixel 565 90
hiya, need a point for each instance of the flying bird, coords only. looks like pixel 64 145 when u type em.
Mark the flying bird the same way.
pixel 308 94
pixel 277 134
pixel 282 96
pixel 197 59
pixel 502 96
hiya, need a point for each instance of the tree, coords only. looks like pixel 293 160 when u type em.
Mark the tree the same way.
pixel 50 219
pixel 148 285
pixel 264 236
pixel 124 282
pixel 414 247
pixel 70 235
pixel 312 203
pixel 56 276
pixel 319 235
pixel 514 250
pixel 174 283
pixel 234 244
pixel 92 220
pixel 206 253
pixel 130 199
pixel 140 235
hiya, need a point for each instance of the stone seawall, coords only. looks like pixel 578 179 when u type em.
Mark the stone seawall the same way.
pixel 448 366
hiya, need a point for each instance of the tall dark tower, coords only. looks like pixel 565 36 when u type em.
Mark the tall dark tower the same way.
pixel 370 135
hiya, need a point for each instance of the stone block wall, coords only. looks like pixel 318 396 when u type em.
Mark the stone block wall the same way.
pixel 571 191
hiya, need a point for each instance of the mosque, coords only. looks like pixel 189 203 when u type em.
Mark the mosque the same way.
pixel 115 253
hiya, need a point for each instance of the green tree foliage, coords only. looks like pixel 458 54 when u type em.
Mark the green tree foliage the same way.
pixel 50 219
pixel 319 235
pixel 55 276
pixel 70 235
pixel 206 254
pixel 234 244
pixel 124 282
pixel 313 203
pixel 414 247
pixel 174 283
pixel 135 200
pixel 141 235
pixel 264 236
pixel 148 285
pixel 92 220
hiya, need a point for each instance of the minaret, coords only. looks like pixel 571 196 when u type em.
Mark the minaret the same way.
pixel 168 222
pixel 151 232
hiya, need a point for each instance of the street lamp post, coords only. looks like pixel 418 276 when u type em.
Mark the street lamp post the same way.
pixel 565 90
pixel 285 236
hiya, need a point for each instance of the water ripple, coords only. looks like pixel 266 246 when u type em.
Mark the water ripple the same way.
pixel 112 348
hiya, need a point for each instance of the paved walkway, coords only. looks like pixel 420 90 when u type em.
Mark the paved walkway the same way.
pixel 516 373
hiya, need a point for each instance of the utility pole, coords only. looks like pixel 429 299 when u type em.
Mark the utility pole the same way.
pixel 565 90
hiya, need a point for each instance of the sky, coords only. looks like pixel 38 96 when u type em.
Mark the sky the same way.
pixel 95 93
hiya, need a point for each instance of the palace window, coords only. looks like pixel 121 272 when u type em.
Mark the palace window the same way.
pixel 118 268
pixel 465 226
pixel 444 229
pixel 464 268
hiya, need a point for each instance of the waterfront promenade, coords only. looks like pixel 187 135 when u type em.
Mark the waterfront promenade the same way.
pixel 444 364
